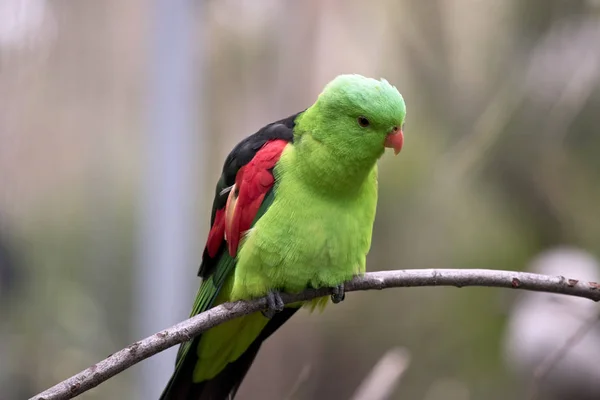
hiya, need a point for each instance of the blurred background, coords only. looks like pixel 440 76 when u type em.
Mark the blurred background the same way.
pixel 116 116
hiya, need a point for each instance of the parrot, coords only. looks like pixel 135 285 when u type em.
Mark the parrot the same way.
pixel 294 208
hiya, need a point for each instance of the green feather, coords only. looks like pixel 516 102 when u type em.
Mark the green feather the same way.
pixel 207 297
pixel 207 293
pixel 226 342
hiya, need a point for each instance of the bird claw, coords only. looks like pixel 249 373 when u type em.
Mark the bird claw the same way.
pixel 274 305
pixel 338 294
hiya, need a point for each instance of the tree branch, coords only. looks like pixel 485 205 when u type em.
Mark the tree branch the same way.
pixel 384 377
pixel 190 328
pixel 553 358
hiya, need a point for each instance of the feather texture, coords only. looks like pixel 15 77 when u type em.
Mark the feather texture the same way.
pixel 250 164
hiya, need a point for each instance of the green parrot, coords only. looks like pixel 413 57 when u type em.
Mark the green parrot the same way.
pixel 293 209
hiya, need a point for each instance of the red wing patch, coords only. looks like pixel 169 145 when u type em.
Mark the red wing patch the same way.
pixel 215 236
pixel 252 183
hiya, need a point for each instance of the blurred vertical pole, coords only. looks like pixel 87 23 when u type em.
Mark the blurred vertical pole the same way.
pixel 166 259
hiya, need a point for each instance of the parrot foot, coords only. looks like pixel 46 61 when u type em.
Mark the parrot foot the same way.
pixel 274 305
pixel 338 294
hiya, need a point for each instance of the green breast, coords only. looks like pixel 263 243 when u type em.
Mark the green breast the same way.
pixel 307 237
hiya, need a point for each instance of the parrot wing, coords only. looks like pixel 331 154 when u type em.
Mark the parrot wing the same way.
pixel 243 194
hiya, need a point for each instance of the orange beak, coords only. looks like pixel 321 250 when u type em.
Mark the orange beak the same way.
pixel 395 140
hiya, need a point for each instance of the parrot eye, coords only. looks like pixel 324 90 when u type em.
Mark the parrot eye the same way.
pixel 362 121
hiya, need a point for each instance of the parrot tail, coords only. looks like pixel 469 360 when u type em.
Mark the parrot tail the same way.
pixel 224 385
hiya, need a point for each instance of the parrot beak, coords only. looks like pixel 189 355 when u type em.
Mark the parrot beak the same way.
pixel 395 140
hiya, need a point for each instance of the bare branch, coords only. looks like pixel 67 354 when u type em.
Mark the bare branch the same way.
pixel 384 377
pixel 189 328
pixel 552 358
pixel 302 379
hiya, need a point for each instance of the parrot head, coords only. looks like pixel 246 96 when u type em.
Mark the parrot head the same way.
pixel 358 117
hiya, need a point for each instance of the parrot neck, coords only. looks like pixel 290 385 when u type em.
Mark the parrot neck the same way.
pixel 328 171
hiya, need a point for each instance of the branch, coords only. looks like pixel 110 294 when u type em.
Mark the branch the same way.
pixel 553 358
pixel 188 329
pixel 384 377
